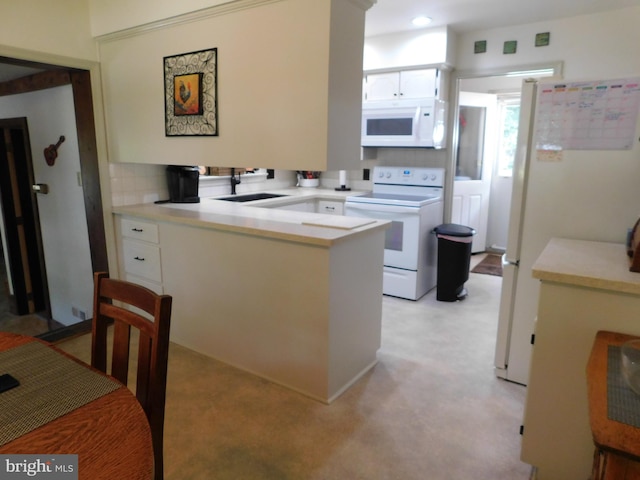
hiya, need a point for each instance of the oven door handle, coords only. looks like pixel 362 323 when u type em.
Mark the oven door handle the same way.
pixel 376 207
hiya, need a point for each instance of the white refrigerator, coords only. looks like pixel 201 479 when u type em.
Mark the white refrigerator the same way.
pixel 588 192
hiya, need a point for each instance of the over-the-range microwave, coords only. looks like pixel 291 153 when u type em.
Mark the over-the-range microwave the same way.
pixel 404 123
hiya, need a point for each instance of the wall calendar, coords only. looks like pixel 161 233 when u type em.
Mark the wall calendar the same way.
pixel 598 115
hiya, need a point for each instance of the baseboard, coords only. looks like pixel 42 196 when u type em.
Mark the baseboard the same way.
pixel 65 333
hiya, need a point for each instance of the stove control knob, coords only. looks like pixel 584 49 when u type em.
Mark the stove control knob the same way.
pixel 381 174
pixel 388 174
pixel 433 177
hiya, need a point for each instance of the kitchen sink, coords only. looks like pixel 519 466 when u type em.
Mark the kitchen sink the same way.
pixel 250 197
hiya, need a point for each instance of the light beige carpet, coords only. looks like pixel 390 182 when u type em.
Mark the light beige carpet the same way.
pixel 430 409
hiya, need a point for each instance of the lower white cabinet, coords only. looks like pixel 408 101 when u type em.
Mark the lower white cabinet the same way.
pixel 577 299
pixel 268 299
pixel 139 252
pixel 330 207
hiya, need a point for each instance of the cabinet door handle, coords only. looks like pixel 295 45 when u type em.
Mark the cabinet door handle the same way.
pixel 140 259
pixel 329 208
pixel 137 230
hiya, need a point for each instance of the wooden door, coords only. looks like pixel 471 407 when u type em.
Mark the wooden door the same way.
pixel 20 215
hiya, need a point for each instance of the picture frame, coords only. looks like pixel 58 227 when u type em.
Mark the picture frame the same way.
pixel 480 46
pixel 510 46
pixel 543 39
pixel 190 90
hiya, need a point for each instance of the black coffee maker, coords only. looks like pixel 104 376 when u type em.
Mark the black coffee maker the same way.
pixel 183 184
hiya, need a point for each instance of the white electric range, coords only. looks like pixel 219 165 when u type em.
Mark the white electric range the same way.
pixel 411 198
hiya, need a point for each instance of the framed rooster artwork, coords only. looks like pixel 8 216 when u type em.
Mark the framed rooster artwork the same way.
pixel 186 95
pixel 190 85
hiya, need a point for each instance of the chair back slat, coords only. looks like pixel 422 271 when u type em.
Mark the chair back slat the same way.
pixel 120 354
pixel 145 365
pixel 111 304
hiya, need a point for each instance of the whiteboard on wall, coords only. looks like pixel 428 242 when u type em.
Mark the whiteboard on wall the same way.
pixel 600 115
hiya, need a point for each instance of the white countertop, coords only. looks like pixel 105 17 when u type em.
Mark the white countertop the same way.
pixel 250 218
pixel 583 263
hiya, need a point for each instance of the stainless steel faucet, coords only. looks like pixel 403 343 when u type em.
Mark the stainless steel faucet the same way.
pixel 234 181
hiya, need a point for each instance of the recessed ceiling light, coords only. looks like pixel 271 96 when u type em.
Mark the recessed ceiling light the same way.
pixel 421 21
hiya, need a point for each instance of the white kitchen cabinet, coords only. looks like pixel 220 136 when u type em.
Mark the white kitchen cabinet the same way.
pixel 405 84
pixel 330 207
pixel 139 252
pixel 585 287
pixel 267 295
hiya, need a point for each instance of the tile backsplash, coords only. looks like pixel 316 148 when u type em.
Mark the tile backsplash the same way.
pixel 133 183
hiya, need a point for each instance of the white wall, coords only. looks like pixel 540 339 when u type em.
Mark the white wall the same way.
pixel 430 46
pixel 592 195
pixel 108 17
pixel 50 113
pixel 59 27
pixel 590 45
pixel 288 91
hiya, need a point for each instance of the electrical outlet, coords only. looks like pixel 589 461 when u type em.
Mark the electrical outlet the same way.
pixel 365 174
pixel 76 312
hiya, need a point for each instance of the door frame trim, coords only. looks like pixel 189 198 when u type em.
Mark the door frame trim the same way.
pixel 454 112
pixel 100 153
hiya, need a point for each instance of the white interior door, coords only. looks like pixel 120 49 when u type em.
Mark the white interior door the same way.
pixel 477 140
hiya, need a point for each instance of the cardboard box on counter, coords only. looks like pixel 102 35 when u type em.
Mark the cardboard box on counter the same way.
pixel 224 171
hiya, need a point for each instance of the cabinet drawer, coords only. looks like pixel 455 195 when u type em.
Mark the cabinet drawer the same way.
pixel 142 260
pixel 330 207
pixel 145 231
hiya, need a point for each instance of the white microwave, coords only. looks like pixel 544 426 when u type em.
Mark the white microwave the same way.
pixel 404 123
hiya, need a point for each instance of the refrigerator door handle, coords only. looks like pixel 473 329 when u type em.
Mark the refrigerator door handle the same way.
pixel 507 261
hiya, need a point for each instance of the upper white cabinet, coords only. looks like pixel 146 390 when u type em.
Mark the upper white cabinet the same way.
pixel 405 84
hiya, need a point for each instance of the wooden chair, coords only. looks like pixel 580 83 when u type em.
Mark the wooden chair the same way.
pixel 110 301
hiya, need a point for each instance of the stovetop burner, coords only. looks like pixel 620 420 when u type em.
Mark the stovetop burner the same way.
pixel 404 186
pixel 396 199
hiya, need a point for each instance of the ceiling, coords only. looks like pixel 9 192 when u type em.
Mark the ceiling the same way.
pixel 388 16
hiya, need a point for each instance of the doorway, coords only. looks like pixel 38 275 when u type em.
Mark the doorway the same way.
pixel 22 242
pixel 475 154
pixel 488 194
pixel 88 201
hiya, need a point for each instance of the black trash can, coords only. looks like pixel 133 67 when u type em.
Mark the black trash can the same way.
pixel 454 258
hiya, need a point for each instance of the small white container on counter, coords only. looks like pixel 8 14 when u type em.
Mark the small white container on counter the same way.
pixel 308 182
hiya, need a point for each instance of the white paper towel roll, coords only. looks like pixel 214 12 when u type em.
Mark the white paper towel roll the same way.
pixel 343 178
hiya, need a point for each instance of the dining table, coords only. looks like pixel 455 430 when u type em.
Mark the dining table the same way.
pixel 65 407
pixel 614 411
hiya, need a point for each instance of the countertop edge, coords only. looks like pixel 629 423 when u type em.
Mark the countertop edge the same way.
pixel 598 265
pixel 246 220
